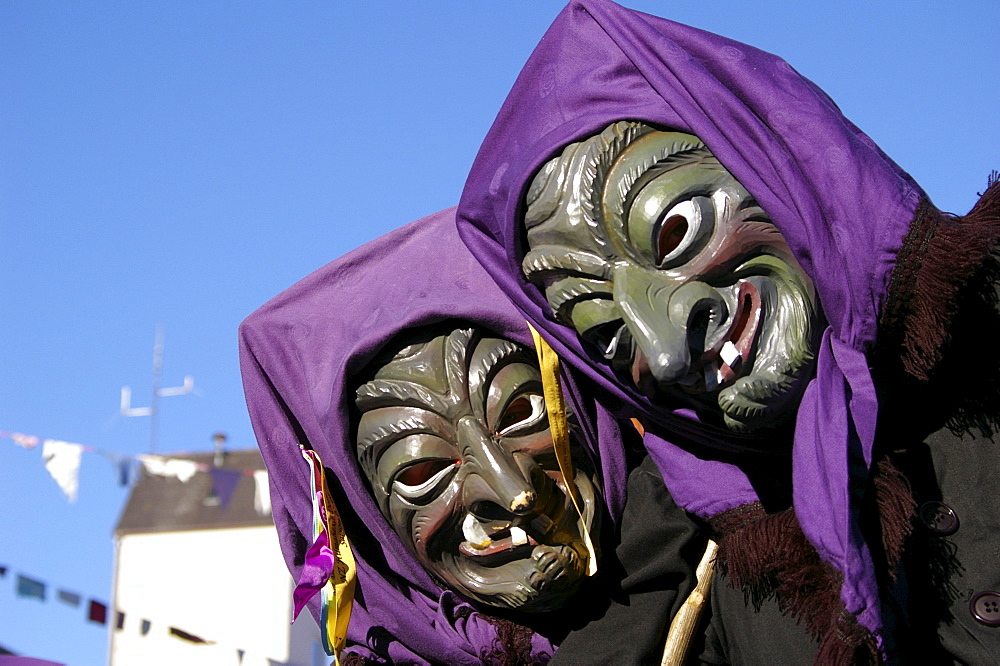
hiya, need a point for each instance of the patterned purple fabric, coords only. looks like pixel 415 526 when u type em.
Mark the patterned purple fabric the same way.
pixel 842 205
pixel 298 355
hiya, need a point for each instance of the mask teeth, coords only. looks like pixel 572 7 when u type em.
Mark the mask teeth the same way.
pixel 518 536
pixel 474 533
pixel 729 354
pixel 730 358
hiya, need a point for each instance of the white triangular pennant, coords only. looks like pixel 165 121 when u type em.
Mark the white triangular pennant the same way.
pixel 62 460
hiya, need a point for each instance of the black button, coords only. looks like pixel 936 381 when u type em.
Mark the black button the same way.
pixel 985 607
pixel 939 518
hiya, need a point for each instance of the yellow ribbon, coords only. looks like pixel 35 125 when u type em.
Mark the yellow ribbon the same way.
pixel 548 362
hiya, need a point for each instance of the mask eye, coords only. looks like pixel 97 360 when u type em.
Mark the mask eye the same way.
pixel 669 237
pixel 422 476
pixel 681 230
pixel 524 410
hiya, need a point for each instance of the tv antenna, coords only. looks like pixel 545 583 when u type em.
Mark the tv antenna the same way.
pixel 154 406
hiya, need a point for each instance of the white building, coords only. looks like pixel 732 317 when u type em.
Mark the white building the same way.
pixel 198 583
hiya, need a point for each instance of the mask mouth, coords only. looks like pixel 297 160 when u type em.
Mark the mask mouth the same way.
pixel 531 563
pixel 720 365
pixel 500 547
pixel 730 356
pixel 495 543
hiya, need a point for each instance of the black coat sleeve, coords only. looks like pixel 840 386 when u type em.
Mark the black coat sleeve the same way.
pixel 652 572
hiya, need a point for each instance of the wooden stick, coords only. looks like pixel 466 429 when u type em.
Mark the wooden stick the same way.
pixel 684 624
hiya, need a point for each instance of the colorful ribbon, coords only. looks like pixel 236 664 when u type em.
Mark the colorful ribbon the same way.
pixel 329 564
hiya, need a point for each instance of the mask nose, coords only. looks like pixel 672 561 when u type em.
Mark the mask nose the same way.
pixel 509 486
pixel 669 320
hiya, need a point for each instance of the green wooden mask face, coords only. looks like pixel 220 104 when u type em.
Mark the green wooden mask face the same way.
pixel 671 273
pixel 454 440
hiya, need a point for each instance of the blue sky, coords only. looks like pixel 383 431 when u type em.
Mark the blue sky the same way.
pixel 181 163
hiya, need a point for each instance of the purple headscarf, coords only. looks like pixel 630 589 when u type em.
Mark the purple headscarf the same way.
pixel 842 205
pixel 299 353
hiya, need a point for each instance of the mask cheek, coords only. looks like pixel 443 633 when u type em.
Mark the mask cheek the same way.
pixel 596 320
pixel 428 529
pixel 533 445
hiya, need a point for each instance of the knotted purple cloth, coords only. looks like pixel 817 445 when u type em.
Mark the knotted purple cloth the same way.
pixel 843 206
pixel 299 353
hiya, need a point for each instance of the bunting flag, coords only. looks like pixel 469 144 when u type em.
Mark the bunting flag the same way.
pixel 30 588
pixel 176 468
pixel 224 482
pixel 124 466
pixel 62 460
pixel 97 612
pixel 262 493
pixel 70 598
pixel 26 441
pixel 126 470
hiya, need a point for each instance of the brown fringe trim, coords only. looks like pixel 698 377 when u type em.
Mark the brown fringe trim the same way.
pixel 847 643
pixel 896 510
pixel 355 659
pixel 512 646
pixel 768 554
pixel 940 255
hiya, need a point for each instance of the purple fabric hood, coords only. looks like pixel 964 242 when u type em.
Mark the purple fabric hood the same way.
pixel 298 354
pixel 843 206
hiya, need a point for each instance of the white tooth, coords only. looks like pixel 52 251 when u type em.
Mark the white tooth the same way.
pixel 474 532
pixel 729 353
pixel 518 536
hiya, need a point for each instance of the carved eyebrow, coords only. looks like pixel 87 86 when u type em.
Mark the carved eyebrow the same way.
pixel 602 151
pixel 399 393
pixel 394 431
pixel 667 161
pixel 482 368
pixel 374 444
pixel 456 357
pixel 546 260
pixel 563 294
